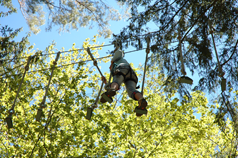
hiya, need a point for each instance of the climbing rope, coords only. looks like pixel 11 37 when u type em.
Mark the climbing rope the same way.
pixel 90 109
pixel 221 73
pixel 42 105
pixel 181 55
pixel 184 78
pixel 11 111
pixel 214 44
pixel 146 59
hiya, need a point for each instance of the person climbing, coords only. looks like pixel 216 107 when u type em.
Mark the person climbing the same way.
pixel 123 73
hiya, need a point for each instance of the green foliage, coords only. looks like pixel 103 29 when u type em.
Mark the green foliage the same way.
pixel 191 19
pixel 9 48
pixel 170 129
pixel 7 4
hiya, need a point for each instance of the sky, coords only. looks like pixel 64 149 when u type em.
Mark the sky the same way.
pixel 66 39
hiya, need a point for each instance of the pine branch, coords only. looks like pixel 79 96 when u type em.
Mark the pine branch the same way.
pixel 197 20
pixel 174 16
pixel 231 54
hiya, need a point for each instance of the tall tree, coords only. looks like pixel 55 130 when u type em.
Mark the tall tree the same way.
pixel 202 27
pixel 9 48
pixel 170 129
pixel 70 14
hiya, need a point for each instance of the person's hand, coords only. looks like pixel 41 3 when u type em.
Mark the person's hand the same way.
pixel 104 79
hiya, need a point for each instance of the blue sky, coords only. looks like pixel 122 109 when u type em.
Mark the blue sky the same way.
pixel 66 39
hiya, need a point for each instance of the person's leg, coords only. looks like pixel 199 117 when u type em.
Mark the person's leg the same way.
pixel 131 90
pixel 116 82
pixel 136 95
pixel 119 78
pixel 115 85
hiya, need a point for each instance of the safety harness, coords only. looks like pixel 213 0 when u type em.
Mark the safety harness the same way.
pixel 130 75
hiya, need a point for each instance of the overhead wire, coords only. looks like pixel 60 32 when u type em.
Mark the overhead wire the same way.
pixel 75 62
pixel 38 70
pixel 80 49
pixel 48 54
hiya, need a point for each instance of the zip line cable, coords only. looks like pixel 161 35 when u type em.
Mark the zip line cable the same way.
pixel 56 66
pixel 48 54
pixel 100 58
pixel 37 55
pixel 67 51
pixel 79 61
pixel 85 48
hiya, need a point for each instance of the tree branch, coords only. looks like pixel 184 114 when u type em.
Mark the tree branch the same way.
pixel 155 147
pixel 99 23
pixel 197 20
pixel 174 15
pixel 50 3
pixel 5 73
pixel 132 145
pixel 231 54
pixel 5 147
pixel 170 19
pixel 46 149
pixel 46 125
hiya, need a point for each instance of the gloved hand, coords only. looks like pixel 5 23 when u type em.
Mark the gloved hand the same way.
pixel 104 79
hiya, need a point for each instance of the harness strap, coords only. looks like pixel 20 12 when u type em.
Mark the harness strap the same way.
pixel 131 71
pixel 124 75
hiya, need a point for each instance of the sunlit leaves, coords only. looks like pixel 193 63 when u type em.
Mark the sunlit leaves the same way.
pixel 172 128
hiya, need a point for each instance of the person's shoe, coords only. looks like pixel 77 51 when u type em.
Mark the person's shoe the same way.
pixel 102 100
pixel 141 109
pixel 111 92
pixel 107 96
